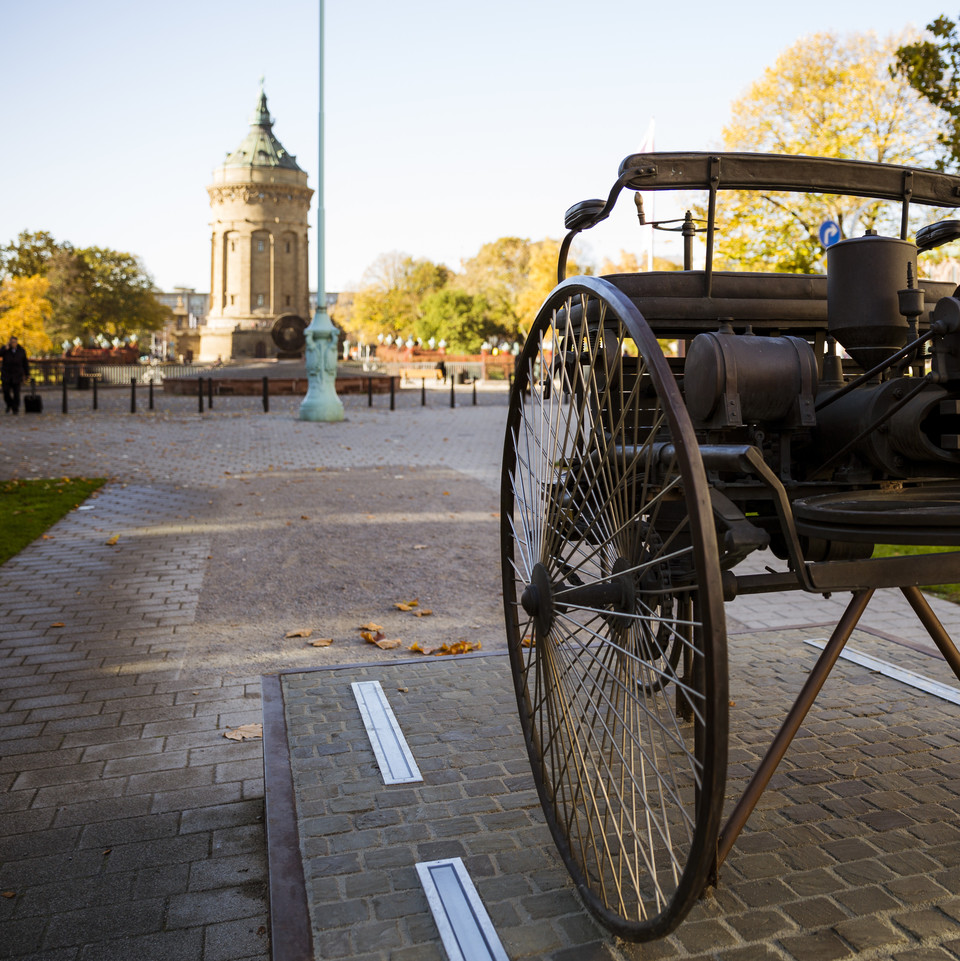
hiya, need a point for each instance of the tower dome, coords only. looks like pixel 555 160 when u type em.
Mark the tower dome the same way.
pixel 259 201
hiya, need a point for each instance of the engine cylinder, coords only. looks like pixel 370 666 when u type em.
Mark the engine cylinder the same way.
pixel 863 311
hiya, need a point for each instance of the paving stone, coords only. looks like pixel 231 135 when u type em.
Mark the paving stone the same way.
pixel 864 807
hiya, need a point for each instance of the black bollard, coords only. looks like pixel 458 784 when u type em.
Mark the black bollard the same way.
pixel 64 405
pixel 423 391
pixel 453 380
pixel 199 395
pixel 474 393
pixel 266 395
pixel 369 392
pixel 150 395
pixel 93 384
pixel 393 387
pixel 209 393
pixel 133 395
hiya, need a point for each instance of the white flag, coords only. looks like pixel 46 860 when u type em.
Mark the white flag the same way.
pixel 646 145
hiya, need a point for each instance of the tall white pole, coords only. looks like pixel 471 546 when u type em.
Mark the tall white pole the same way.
pixel 321 401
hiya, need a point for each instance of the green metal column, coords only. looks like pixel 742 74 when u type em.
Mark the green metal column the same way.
pixel 321 402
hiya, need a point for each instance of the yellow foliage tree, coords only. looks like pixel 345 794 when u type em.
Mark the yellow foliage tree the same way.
pixel 25 313
pixel 542 278
pixel 825 96
pixel 627 263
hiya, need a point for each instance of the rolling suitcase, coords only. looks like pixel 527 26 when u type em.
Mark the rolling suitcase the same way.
pixel 33 402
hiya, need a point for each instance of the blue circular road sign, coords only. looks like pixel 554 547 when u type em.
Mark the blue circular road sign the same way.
pixel 829 233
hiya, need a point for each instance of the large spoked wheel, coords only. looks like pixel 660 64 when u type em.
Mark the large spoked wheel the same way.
pixel 614 610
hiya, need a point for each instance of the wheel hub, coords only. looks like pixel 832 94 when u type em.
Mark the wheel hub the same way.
pixel 537 599
pixel 541 599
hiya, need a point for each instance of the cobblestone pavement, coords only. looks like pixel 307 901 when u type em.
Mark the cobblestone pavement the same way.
pixel 131 828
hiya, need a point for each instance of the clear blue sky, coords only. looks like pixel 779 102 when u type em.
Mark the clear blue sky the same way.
pixel 448 124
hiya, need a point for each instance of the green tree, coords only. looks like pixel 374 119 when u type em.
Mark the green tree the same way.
pixel 94 291
pixel 465 321
pixel 393 290
pixel 825 96
pixel 932 68
pixel 120 298
pixel 25 313
pixel 30 254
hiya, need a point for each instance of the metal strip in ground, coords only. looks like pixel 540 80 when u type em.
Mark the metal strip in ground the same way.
pixel 901 674
pixel 397 764
pixel 465 927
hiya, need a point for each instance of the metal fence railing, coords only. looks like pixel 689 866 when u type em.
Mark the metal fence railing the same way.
pixel 80 374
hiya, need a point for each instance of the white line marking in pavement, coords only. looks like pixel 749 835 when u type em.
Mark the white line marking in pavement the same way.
pixel 918 681
pixel 465 927
pixel 397 764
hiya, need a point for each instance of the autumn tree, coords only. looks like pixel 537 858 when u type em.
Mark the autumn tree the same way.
pixel 25 313
pixel 394 287
pixel 932 68
pixel 627 263
pixel 499 272
pixel 542 278
pixel 94 291
pixel 825 96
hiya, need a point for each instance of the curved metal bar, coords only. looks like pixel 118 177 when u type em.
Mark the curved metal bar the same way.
pixel 792 173
pixel 612 198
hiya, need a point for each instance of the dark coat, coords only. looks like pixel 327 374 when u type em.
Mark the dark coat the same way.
pixel 14 368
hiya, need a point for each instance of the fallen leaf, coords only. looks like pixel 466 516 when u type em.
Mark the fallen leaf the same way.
pixel 8 894
pixel 407 605
pixel 371 637
pixel 322 642
pixel 527 642
pixel 403 690
pixel 370 626
pixel 57 624
pixel 419 547
pixel 113 540
pixel 304 517
pixel 388 645
pixel 458 647
pixel 425 612
pixel 244 732
pixel 302 632
pixel 446 493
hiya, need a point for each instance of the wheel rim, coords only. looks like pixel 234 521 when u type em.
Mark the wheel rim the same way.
pixel 607 546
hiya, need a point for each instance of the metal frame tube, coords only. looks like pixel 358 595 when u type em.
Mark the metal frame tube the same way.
pixel 933 627
pixel 795 716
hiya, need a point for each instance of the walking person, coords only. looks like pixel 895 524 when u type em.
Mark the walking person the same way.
pixel 14 370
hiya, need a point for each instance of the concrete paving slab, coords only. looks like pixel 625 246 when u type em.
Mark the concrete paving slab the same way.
pixel 832 859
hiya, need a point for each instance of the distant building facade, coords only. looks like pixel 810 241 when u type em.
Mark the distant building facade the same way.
pixel 259 273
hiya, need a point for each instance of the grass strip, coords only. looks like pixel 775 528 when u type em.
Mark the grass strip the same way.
pixel 950 592
pixel 30 507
